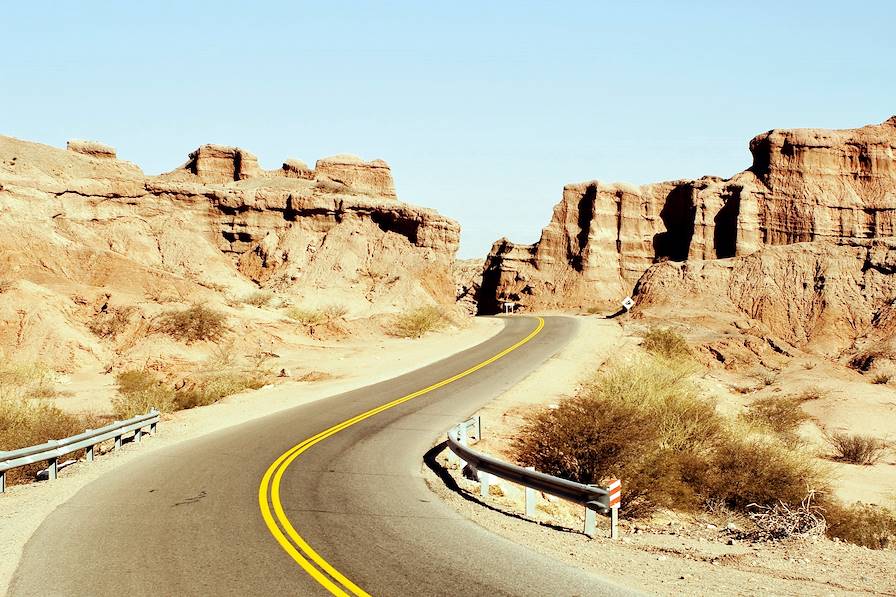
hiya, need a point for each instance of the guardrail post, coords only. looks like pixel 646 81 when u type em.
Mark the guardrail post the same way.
pixel 484 482
pixel 2 481
pixel 531 497
pixel 614 522
pixel 138 435
pixel 462 440
pixel 117 442
pixel 590 522
pixel 53 468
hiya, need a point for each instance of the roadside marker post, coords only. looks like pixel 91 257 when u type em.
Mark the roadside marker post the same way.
pixel 531 496
pixel 615 499
pixel 628 303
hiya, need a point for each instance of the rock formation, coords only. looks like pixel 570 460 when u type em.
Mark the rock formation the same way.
pixel 80 223
pixel 804 185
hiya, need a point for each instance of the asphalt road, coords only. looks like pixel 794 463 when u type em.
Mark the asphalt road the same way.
pixel 186 520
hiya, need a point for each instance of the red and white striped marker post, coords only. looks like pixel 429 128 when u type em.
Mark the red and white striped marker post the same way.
pixel 615 489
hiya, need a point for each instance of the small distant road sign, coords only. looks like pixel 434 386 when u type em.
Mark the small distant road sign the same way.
pixel 509 307
pixel 628 303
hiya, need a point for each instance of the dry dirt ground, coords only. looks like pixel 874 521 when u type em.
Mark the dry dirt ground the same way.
pixel 672 554
pixel 351 363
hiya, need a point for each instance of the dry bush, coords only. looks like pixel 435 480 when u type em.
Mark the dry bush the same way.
pixel 193 324
pixel 6 285
pixel 870 526
pixel 208 389
pixel 855 448
pixel 766 378
pixel 417 322
pixel 881 377
pixel 666 343
pixel 781 414
pixel 322 316
pixel 139 391
pixel 111 322
pixel 261 298
pixel 781 521
pixel 645 423
pixel 213 286
pixel 26 423
pixel 21 381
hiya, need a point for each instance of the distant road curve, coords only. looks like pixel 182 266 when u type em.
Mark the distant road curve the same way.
pixel 326 498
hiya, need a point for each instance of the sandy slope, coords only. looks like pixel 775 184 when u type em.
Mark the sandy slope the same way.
pixel 24 507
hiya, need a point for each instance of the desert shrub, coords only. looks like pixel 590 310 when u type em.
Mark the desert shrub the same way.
pixel 856 448
pixel 322 316
pixel 749 469
pixel 261 298
pixel 26 422
pixel 140 390
pixel 6 285
pixel 766 378
pixel 25 380
pixel 193 324
pixel 665 342
pixel 416 322
pixel 210 388
pixel 779 414
pixel 870 526
pixel 644 422
pixel 111 322
pixel 881 377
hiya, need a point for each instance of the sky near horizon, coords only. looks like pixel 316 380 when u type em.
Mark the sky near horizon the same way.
pixel 484 110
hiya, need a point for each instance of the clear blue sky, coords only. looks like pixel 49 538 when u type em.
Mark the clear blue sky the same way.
pixel 483 109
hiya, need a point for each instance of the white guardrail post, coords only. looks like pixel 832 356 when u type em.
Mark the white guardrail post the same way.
pixel 594 498
pixel 51 451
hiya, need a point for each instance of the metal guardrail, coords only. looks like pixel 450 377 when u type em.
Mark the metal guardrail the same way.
pixel 595 499
pixel 53 449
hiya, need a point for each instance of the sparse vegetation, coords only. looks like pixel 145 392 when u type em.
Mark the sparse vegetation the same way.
pixel 261 298
pixel 27 421
pixel 193 324
pixel 780 414
pixel 881 377
pixel 644 422
pixel 766 377
pixel 417 322
pixel 870 526
pixel 666 343
pixel 111 322
pixel 856 448
pixel 139 390
pixel 315 317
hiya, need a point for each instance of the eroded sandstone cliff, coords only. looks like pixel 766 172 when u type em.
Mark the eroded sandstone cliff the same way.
pixel 77 225
pixel 804 185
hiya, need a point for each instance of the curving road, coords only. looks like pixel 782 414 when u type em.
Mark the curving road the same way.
pixel 187 520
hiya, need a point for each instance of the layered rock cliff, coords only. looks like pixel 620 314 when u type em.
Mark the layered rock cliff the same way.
pixel 79 224
pixel 804 185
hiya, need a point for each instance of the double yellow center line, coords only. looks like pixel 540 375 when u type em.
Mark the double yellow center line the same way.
pixel 269 489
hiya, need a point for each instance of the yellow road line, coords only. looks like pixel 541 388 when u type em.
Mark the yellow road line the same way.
pixel 270 485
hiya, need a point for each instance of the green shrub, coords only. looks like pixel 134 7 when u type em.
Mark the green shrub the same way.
pixel 870 526
pixel 140 390
pixel 856 448
pixel 666 343
pixel 417 322
pixel 193 324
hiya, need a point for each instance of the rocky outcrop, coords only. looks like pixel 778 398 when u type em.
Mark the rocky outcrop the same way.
pixel 91 148
pixel 79 222
pixel 831 295
pixel 467 282
pixel 804 185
